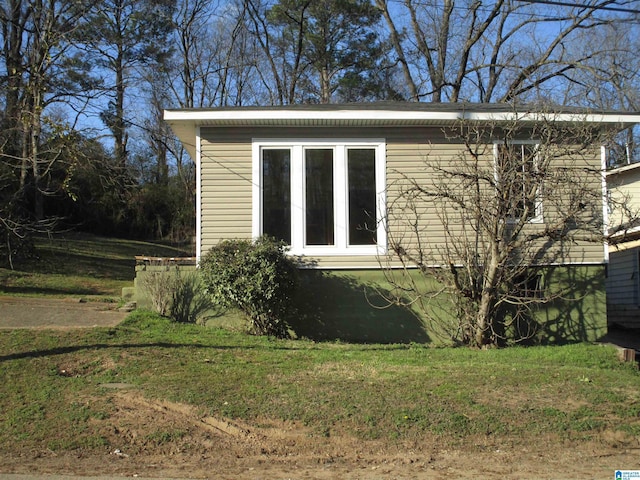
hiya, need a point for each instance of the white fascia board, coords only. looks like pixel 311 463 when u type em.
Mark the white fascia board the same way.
pixel 623 169
pixel 257 114
pixel 295 114
pixel 626 231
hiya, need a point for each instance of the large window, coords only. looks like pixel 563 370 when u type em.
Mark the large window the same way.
pixel 276 193
pixel 321 197
pixel 518 180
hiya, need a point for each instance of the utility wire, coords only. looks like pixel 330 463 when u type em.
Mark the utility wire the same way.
pixel 594 7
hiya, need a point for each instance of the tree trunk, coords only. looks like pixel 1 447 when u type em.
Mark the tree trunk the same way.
pixel 12 31
pixel 325 86
pixel 397 46
pixel 484 327
pixel 119 131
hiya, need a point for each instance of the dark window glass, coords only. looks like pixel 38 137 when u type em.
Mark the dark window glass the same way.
pixel 276 193
pixel 361 172
pixel 319 196
pixel 518 179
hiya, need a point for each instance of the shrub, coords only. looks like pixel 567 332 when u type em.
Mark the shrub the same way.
pixel 258 278
pixel 159 285
pixel 177 295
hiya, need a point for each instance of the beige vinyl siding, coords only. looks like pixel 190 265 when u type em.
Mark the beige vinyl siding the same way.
pixel 584 171
pixel 342 262
pixel 409 161
pixel 225 164
pixel 411 153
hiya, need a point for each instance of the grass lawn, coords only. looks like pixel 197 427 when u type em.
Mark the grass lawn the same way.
pixel 393 393
pixel 53 396
pixel 80 265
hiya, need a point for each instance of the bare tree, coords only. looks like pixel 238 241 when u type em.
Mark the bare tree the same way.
pixel 285 66
pixel 492 52
pixel 611 81
pixel 41 70
pixel 476 228
pixel 212 55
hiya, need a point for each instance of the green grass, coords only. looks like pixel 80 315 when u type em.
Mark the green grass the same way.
pixel 76 264
pixel 51 395
pixel 392 393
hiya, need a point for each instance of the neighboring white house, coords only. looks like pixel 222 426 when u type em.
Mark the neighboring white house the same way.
pixel 623 276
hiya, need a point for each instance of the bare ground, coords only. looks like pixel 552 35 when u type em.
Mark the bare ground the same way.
pixel 30 312
pixel 206 447
pixel 214 448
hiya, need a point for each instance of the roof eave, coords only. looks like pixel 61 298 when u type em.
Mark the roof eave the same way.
pixel 368 117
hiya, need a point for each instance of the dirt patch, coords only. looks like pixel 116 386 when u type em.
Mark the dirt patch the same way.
pixel 163 439
pixel 27 312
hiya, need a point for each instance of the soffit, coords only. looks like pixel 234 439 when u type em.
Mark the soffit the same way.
pixel 184 122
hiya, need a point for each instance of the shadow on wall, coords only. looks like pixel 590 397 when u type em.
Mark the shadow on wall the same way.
pixel 576 314
pixel 345 306
pixel 580 314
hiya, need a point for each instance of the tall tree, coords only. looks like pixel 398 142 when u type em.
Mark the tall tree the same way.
pixel 123 37
pixel 15 16
pixel 611 81
pixel 212 56
pixel 41 70
pixel 319 51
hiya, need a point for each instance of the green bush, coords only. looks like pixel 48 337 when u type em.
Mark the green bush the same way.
pixel 258 278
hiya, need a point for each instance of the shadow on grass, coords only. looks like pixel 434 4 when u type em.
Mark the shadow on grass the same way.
pixel 40 291
pixel 101 346
pixel 81 264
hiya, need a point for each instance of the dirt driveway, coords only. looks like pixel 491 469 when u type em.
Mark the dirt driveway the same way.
pixel 28 312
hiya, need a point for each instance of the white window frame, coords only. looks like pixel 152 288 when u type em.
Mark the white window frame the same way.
pixel 340 182
pixel 538 217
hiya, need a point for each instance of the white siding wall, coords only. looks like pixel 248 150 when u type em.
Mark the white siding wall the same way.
pixel 624 187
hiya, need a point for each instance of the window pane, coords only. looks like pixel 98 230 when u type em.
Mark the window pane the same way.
pixel 276 194
pixel 517 173
pixel 529 181
pixel 361 171
pixel 319 196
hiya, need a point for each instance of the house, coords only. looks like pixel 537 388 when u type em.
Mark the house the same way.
pixel 327 178
pixel 623 278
